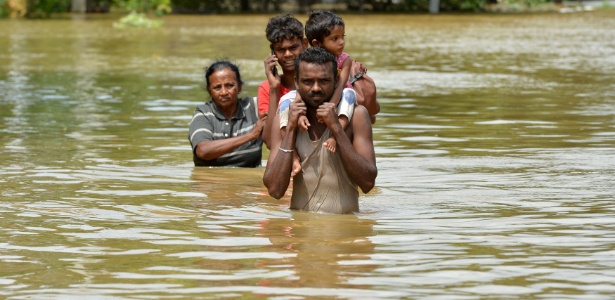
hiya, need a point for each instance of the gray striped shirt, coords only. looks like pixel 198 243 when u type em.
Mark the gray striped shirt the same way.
pixel 208 123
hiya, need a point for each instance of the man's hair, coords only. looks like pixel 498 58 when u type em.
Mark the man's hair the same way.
pixel 318 56
pixel 320 23
pixel 283 27
pixel 220 64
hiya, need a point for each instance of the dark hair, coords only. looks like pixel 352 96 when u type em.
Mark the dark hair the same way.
pixel 316 55
pixel 218 65
pixel 320 23
pixel 283 27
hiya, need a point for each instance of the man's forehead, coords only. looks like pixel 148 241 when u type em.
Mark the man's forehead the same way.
pixel 305 67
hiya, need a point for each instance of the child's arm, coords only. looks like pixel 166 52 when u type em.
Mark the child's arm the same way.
pixel 344 74
pixel 270 96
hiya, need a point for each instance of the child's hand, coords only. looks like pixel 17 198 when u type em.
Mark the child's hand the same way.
pixel 271 71
pixel 303 123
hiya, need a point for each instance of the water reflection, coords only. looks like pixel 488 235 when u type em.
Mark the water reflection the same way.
pixel 326 247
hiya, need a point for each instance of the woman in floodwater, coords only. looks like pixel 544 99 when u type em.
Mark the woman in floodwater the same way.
pixel 226 131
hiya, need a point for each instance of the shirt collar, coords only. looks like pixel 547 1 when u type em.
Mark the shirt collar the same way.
pixel 239 114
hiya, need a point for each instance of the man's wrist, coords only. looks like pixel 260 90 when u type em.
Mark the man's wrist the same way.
pixel 291 125
pixel 254 135
pixel 337 128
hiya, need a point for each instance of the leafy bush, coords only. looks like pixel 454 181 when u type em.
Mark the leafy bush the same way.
pixel 3 9
pixel 135 19
pixel 44 8
pixel 159 7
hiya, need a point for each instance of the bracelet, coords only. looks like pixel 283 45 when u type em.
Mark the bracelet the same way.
pixel 286 150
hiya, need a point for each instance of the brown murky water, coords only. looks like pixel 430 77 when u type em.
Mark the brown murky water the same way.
pixel 495 147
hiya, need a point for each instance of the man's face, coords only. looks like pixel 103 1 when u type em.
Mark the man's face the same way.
pixel 287 51
pixel 315 83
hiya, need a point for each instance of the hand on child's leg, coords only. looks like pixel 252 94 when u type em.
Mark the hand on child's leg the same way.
pixel 296 165
pixel 330 143
pixel 303 123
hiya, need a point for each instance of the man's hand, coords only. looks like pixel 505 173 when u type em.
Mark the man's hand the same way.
pixel 297 109
pixel 258 127
pixel 326 113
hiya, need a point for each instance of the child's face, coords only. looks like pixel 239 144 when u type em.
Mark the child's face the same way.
pixel 287 51
pixel 334 42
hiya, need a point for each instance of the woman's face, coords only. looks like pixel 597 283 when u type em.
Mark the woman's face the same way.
pixel 224 90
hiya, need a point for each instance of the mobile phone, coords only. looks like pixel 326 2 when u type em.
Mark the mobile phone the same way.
pixel 274 69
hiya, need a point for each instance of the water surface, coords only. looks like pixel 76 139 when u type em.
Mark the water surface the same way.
pixel 495 149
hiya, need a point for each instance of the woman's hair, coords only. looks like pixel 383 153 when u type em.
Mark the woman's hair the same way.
pixel 318 56
pixel 218 65
pixel 283 27
pixel 320 23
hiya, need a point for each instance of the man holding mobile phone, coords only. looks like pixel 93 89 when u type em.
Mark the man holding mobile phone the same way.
pixel 287 40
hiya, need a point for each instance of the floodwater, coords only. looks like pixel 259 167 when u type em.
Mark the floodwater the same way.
pixel 495 149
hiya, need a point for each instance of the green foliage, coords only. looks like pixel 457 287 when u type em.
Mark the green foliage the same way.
pixel 139 20
pixel 462 5
pixel 421 5
pixel 159 7
pixel 523 5
pixel 4 12
pixel 447 5
pixel 534 3
pixel 44 8
pixel 205 6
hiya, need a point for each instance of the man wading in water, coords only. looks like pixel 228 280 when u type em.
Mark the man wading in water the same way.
pixel 328 181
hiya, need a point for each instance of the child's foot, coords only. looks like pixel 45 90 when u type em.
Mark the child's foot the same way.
pixel 330 144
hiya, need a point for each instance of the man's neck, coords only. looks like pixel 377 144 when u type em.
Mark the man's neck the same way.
pixel 316 128
pixel 288 81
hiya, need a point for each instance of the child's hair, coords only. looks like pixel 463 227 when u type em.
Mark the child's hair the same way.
pixel 283 27
pixel 320 23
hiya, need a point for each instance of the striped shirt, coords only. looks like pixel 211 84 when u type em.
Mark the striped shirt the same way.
pixel 208 123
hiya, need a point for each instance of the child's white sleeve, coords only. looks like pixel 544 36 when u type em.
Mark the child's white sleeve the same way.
pixel 347 103
pixel 284 107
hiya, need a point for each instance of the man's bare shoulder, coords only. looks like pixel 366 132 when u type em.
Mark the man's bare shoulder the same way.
pixel 360 122
pixel 360 115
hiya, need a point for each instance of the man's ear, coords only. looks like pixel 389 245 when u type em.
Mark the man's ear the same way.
pixel 315 43
pixel 305 43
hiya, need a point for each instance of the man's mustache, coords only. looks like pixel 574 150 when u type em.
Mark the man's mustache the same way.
pixel 316 93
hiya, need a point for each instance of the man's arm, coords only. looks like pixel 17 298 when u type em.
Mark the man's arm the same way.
pixel 358 156
pixel 279 165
